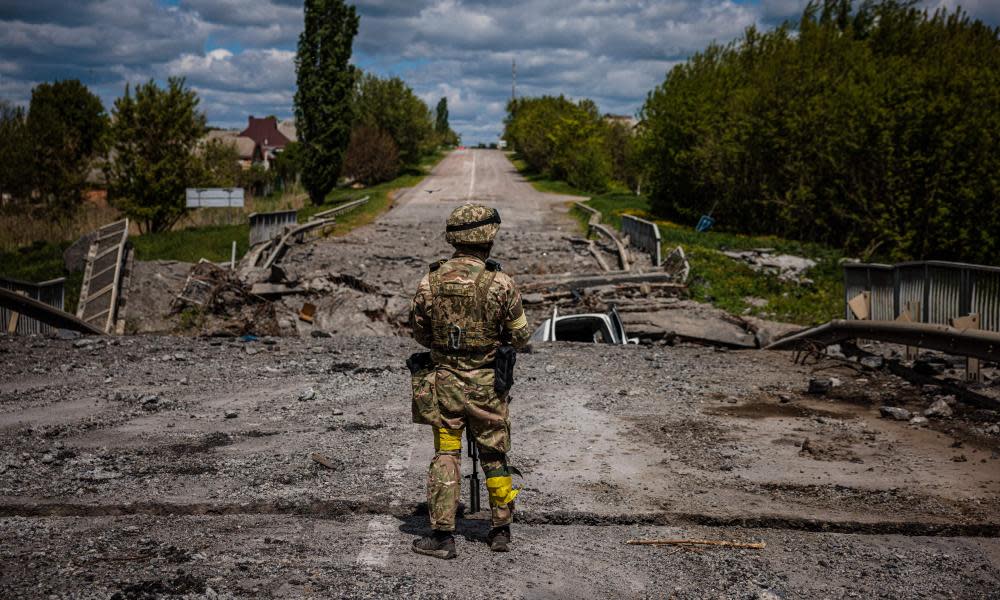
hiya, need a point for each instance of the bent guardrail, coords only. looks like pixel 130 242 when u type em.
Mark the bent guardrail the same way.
pixel 52 293
pixel 931 291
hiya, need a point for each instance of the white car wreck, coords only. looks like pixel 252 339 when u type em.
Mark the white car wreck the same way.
pixel 591 328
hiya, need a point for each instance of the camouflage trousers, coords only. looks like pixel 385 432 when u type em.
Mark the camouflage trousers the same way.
pixel 467 399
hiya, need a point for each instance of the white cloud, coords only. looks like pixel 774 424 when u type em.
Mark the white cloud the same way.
pixel 239 55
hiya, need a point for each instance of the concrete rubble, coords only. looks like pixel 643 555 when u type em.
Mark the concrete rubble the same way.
pixel 786 266
pixel 277 458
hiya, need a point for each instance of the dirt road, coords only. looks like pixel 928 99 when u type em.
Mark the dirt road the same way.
pixel 151 466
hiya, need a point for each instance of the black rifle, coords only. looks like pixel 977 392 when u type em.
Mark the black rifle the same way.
pixel 474 476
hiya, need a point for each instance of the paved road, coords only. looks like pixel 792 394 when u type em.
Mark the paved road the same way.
pixel 174 465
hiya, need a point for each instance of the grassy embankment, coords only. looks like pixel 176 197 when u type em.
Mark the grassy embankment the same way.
pixel 720 280
pixel 43 259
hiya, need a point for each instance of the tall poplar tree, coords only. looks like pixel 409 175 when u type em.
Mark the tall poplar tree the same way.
pixel 323 100
pixel 441 123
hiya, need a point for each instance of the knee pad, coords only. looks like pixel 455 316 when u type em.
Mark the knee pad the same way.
pixel 447 440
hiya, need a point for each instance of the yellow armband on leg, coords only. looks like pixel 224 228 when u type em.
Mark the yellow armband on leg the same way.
pixel 501 490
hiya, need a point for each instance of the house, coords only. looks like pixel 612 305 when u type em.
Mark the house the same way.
pixel 629 122
pixel 266 134
pixel 249 151
pixel 287 128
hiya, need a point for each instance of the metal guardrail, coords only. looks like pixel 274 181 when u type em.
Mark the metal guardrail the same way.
pixel 965 342
pixel 269 225
pixel 942 291
pixel 336 210
pixel 52 293
pixel 644 235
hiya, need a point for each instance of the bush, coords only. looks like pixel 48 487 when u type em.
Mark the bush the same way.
pixel 372 156
pixel 561 139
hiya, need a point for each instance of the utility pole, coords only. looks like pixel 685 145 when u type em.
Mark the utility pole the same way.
pixel 513 79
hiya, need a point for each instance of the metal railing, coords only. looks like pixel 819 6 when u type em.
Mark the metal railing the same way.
pixel 52 292
pixel 644 235
pixel 269 225
pixel 935 290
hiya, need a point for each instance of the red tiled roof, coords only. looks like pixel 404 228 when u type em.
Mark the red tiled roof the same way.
pixel 265 132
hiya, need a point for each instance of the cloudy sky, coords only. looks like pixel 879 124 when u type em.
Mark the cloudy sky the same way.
pixel 238 54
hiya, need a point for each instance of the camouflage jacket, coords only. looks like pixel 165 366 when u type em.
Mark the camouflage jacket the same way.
pixel 463 312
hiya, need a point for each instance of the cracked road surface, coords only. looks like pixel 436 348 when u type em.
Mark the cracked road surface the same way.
pixel 156 466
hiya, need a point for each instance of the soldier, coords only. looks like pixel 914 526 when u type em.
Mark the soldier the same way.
pixel 467 311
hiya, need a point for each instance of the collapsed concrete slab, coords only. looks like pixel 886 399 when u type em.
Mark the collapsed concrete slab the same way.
pixel 690 322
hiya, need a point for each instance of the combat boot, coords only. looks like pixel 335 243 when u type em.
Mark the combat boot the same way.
pixel 441 544
pixel 499 539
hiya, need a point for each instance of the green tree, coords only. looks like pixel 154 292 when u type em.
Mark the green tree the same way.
pixel 153 136
pixel 372 156
pixel 220 164
pixel 288 164
pixel 441 125
pixel 66 125
pixel 391 106
pixel 323 100
pixel 562 139
pixel 15 154
pixel 873 128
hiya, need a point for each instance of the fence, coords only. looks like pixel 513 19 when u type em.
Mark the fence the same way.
pixel 51 292
pixel 643 235
pixel 941 290
pixel 269 225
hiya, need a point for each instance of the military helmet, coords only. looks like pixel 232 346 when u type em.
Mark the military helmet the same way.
pixel 472 224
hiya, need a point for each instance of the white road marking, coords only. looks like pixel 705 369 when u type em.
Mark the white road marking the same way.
pixel 383 530
pixel 472 182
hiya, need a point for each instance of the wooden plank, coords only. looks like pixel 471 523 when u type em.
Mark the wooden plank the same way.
pixel 861 305
pixel 969 322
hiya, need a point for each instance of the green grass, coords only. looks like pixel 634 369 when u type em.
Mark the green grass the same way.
pixel 724 282
pixel 190 245
pixel 39 262
pixel 542 183
pixel 215 242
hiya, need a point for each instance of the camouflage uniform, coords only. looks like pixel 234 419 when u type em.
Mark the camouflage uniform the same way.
pixel 464 309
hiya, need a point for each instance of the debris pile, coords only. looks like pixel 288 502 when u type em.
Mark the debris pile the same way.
pixel 786 266
pixel 215 302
